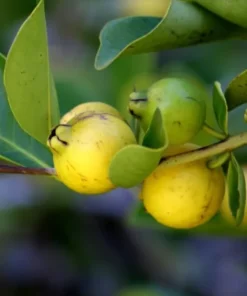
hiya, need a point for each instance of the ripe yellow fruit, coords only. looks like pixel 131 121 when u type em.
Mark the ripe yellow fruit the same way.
pixel 226 212
pixel 144 7
pixel 82 152
pixel 92 107
pixel 184 196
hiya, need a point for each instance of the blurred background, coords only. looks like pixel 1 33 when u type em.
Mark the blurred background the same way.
pixel 55 242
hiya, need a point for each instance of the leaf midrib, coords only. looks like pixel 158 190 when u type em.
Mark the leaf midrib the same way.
pixel 24 152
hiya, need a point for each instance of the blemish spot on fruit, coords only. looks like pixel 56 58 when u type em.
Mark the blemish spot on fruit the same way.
pixel 177 123
pixel 202 216
pixel 71 166
pixel 99 144
pixel 155 176
pixel 102 117
pixel 174 33
pixel 191 98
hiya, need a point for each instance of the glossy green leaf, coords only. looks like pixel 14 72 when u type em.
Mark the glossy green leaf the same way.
pixel 132 164
pixel 236 91
pixel 234 11
pixel 236 189
pixel 232 181
pixel 28 80
pixel 220 108
pixel 15 145
pixel 183 24
pixel 155 136
pixel 2 61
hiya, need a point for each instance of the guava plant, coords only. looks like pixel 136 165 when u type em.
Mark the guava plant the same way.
pixel 93 149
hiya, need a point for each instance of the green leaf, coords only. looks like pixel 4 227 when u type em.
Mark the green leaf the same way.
pixel 236 91
pixel 231 10
pixel 155 136
pixel 220 108
pixel 232 182
pixel 132 164
pixel 15 145
pixel 183 24
pixel 28 80
pixel 236 189
pixel 2 61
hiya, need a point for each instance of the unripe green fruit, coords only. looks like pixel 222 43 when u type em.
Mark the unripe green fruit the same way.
pixel 182 105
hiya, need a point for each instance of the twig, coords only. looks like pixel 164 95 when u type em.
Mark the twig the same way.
pixel 9 169
pixel 205 152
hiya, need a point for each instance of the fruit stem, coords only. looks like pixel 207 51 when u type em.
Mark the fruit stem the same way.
pixel 9 169
pixel 137 130
pixel 213 132
pixel 219 160
pixel 226 145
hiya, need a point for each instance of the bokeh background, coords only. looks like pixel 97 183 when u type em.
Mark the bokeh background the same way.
pixel 56 242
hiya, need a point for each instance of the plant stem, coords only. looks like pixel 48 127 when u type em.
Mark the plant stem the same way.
pixel 206 152
pixel 219 160
pixel 8 169
pixel 137 129
pixel 214 133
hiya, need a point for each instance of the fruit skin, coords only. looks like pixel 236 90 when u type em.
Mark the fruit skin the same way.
pixel 184 196
pixel 92 107
pixel 82 152
pixel 182 105
pixel 140 7
pixel 226 212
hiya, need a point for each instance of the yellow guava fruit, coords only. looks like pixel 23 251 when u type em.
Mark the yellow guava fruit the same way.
pixel 82 151
pixel 183 196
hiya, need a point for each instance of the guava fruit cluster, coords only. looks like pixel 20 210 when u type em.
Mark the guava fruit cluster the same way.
pixel 88 136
